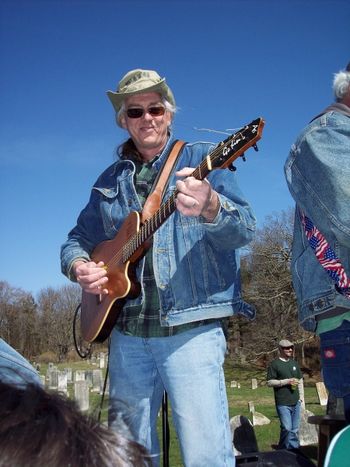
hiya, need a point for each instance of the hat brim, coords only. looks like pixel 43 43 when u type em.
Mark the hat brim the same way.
pixel 161 88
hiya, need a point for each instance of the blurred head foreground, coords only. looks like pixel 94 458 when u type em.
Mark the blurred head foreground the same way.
pixel 38 428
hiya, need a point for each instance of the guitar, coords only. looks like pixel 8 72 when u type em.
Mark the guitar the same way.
pixel 121 254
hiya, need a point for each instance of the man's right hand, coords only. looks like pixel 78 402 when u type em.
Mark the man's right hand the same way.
pixel 91 276
pixel 294 382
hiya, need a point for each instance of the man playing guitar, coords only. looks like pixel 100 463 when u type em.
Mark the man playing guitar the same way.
pixel 168 335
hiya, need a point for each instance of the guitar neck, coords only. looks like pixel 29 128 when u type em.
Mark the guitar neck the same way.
pixel 220 158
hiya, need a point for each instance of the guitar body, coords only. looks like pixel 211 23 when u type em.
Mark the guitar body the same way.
pixel 99 312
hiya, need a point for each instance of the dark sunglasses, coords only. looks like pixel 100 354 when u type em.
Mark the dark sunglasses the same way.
pixel 287 348
pixel 155 111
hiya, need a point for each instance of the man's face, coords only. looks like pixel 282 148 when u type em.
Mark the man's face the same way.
pixel 286 352
pixel 150 131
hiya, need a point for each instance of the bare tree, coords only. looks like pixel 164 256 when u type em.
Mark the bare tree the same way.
pixel 268 286
pixel 18 325
pixel 56 310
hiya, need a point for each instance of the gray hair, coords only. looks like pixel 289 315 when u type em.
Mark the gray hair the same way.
pixel 341 84
pixel 169 107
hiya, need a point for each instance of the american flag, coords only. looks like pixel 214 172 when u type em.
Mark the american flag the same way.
pixel 326 256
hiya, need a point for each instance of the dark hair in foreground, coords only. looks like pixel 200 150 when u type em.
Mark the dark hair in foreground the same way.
pixel 39 428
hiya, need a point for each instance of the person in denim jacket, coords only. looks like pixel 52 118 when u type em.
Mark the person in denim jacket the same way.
pixel 169 338
pixel 317 173
pixel 15 369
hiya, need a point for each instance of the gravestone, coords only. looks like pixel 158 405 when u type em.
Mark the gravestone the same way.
pixel 260 419
pixel 233 384
pixel 97 381
pixel 243 435
pixel 53 378
pixel 81 394
pixel 50 368
pixel 102 360
pixel 88 377
pixel 93 360
pixel 308 433
pixel 322 393
pixel 62 385
pixel 79 375
pixel 251 407
pixel 69 374
pixel 254 383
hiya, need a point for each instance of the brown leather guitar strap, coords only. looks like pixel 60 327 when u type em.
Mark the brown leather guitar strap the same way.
pixel 155 198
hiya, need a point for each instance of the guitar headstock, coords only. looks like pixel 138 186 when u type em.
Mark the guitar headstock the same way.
pixel 235 145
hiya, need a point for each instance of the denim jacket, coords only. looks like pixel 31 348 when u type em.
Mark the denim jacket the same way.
pixel 196 263
pixel 318 176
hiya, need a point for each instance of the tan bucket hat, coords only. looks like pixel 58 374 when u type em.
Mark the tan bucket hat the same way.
pixel 140 81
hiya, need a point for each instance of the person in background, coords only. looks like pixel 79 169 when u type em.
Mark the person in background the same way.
pixel 14 368
pixel 39 428
pixel 284 376
pixel 317 173
pixel 170 338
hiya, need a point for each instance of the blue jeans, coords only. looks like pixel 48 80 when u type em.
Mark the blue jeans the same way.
pixel 189 366
pixel 289 416
pixel 335 358
pixel 15 369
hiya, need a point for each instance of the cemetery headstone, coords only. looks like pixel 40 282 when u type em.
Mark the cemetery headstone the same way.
pixel 322 393
pixel 79 375
pixel 88 377
pixel 308 433
pixel 53 378
pixel 102 360
pixel 69 373
pixel 243 435
pixel 62 385
pixel 81 394
pixel 97 381
pixel 260 419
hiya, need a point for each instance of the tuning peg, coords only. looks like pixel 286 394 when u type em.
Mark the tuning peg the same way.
pixel 255 146
pixel 232 168
pixel 243 157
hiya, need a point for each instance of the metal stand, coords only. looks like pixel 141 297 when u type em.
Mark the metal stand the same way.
pixel 165 430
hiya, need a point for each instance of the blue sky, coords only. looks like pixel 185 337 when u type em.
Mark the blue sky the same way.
pixel 227 62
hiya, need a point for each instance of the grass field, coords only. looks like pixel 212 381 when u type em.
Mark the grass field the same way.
pixel 262 398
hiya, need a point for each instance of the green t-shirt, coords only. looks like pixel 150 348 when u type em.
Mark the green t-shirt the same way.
pixel 281 369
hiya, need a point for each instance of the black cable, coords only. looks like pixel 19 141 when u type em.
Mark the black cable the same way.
pixel 81 354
